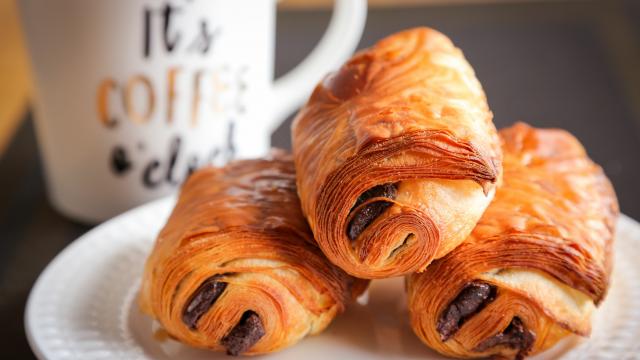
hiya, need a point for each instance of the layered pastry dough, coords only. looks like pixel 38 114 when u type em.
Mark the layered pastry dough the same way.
pixel 397 156
pixel 236 267
pixel 536 265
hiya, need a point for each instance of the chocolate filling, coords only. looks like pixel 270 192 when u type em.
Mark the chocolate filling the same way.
pixel 244 335
pixel 515 336
pixel 365 215
pixel 202 300
pixel 475 296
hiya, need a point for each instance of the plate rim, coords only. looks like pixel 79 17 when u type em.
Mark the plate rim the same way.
pixel 36 345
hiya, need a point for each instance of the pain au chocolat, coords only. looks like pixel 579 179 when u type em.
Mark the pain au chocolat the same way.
pixel 536 265
pixel 397 155
pixel 236 268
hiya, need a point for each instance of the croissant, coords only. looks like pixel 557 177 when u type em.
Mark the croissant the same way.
pixel 236 267
pixel 536 265
pixel 397 156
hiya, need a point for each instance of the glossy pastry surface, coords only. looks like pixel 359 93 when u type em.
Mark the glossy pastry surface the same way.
pixel 536 265
pixel 236 268
pixel 397 156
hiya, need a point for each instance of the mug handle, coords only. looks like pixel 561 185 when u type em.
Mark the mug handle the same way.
pixel 337 44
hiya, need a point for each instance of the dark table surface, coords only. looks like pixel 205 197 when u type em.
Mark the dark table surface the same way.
pixel 574 65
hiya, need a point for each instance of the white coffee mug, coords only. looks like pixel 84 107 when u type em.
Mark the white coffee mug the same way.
pixel 132 95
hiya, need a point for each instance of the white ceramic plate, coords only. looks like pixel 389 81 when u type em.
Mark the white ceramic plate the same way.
pixel 83 306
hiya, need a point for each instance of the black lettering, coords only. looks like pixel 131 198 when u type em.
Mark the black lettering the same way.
pixel 192 165
pixel 174 150
pixel 231 149
pixel 120 163
pixel 147 32
pixel 147 179
pixel 203 41
pixel 167 13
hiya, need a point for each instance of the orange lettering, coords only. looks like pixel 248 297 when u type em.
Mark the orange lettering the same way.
pixel 171 92
pixel 103 102
pixel 133 114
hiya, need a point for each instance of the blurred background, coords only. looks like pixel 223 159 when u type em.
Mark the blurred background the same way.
pixel 568 64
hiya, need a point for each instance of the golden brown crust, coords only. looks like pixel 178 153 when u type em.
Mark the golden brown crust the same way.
pixel 407 111
pixel 241 226
pixel 545 242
